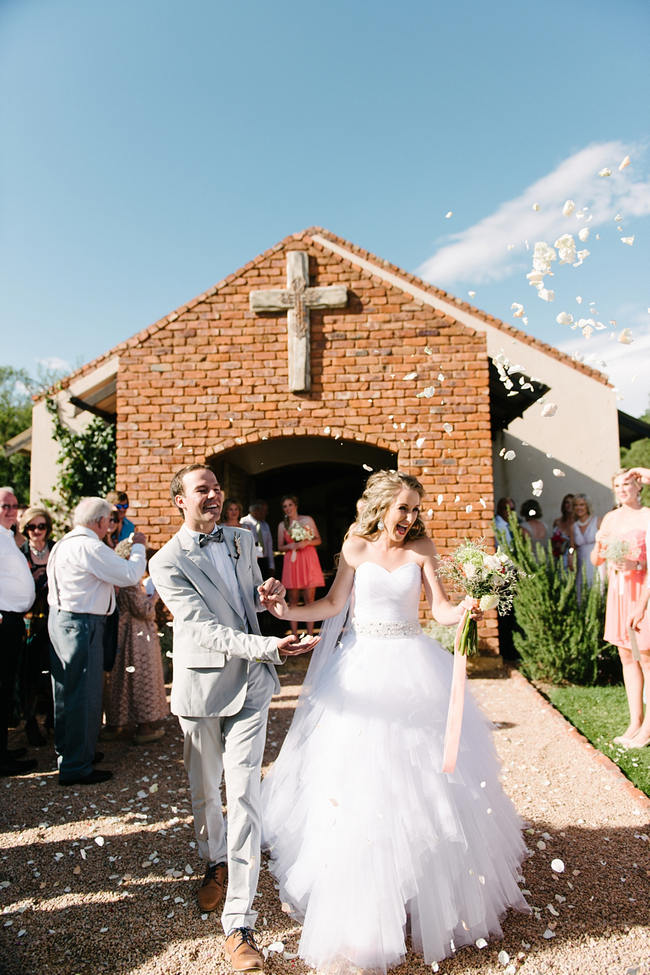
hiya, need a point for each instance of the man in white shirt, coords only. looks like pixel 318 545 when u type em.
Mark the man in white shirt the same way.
pixel 223 683
pixel 82 572
pixel 262 535
pixel 16 597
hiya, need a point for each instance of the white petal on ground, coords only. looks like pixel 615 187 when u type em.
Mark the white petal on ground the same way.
pixel 99 840
pixel 549 409
pixel 481 943
pixel 557 866
pixel 548 934
pixel 503 957
pixel 277 946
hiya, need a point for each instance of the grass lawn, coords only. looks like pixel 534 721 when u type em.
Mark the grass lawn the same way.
pixel 601 713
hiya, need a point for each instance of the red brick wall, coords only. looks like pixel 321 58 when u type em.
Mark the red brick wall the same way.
pixel 187 390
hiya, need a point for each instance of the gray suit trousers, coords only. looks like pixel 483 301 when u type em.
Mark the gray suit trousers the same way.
pixel 231 746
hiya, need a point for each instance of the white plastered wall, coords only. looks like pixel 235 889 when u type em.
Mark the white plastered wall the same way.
pixel 45 449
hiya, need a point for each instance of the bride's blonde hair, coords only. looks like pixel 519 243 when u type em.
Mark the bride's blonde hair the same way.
pixel 381 488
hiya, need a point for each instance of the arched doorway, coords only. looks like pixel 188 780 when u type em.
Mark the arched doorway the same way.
pixel 327 475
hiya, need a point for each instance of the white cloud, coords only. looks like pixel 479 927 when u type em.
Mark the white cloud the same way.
pixel 55 364
pixel 627 366
pixel 480 254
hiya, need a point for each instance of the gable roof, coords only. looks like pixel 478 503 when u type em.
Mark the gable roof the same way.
pixel 420 289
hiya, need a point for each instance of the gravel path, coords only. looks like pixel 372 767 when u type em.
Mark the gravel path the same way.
pixel 95 879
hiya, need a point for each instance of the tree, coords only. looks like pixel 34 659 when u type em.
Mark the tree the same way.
pixel 16 389
pixel 86 459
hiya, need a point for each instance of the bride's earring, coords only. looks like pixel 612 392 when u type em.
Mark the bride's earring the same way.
pixel 380 524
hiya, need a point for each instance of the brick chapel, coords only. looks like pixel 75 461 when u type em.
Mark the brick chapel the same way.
pixel 317 362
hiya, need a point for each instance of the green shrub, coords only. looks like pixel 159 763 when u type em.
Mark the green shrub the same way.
pixel 560 640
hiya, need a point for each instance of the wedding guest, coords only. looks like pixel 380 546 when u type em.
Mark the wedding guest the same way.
pixel 35 682
pixel 533 526
pixel 301 571
pixel 82 573
pixel 119 501
pixel 501 518
pixel 112 536
pixel 562 537
pixel 232 512
pixel 623 542
pixel 135 694
pixel 16 597
pixel 255 520
pixel 584 529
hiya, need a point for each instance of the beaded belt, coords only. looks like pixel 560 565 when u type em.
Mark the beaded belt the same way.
pixel 386 629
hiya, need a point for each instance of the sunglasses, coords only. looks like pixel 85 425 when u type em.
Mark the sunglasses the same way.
pixel 122 507
pixel 41 527
pixel 113 518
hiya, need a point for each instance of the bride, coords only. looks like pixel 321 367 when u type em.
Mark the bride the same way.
pixel 368 839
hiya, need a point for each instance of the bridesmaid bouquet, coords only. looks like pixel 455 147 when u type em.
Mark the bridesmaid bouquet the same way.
pixel 491 579
pixel 299 533
pixel 616 549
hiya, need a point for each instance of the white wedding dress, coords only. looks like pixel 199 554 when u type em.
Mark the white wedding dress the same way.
pixel 369 840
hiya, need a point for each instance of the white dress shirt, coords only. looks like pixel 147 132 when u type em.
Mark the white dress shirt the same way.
pixel 16 582
pixel 82 571
pixel 267 537
pixel 221 558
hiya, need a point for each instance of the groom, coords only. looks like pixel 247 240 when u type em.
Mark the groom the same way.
pixel 223 683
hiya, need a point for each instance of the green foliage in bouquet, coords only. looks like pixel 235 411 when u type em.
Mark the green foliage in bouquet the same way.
pixel 560 641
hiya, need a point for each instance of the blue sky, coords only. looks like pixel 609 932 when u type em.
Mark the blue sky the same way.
pixel 152 147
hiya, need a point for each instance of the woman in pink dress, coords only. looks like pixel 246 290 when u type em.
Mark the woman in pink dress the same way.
pixel 623 541
pixel 301 572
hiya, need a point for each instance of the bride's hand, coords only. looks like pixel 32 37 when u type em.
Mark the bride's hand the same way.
pixel 470 604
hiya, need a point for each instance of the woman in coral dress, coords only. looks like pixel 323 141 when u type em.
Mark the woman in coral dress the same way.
pixel 370 841
pixel 623 541
pixel 301 572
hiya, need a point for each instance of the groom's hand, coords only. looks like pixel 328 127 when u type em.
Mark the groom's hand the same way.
pixel 291 646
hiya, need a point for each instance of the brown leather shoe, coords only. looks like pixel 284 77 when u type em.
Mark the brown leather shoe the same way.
pixel 211 892
pixel 242 952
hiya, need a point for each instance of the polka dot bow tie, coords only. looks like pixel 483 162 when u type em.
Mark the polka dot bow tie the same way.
pixel 214 537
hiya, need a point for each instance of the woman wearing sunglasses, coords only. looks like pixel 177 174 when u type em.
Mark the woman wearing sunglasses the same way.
pixel 34 680
pixel 119 502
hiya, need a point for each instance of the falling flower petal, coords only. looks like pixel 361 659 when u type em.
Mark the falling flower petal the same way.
pixel 366 467
pixel 568 208
pixel 428 392
pixel 605 172
pixel 627 240
pixel 583 234
pixel 448 427
pixel 549 409
pixel 625 337
pixel 130 670
pixel 618 218
pixel 509 455
pixel 440 498
pixel 558 473
pixel 517 309
pixel 579 299
pixel 410 375
pixel 623 163
pixel 536 207
pixel 449 214
pixel 441 377
pixel 538 487
pixel 419 442
pixel 543 256
pixel 510 247
pixel 566 248
pixel 546 294
pixel 557 866
pixel 564 318
pixel 468 508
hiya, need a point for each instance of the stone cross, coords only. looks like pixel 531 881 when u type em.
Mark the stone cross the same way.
pixel 297 300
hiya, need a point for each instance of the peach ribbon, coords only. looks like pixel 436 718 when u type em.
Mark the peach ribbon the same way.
pixel 456 703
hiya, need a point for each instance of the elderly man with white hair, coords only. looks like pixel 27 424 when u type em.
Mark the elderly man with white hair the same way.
pixel 82 572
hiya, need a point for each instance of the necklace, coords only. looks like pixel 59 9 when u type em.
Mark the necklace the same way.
pixel 39 556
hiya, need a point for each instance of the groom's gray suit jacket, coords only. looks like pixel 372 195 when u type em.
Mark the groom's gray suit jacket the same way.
pixel 212 645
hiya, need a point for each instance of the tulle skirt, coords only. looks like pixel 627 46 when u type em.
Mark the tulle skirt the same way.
pixel 368 839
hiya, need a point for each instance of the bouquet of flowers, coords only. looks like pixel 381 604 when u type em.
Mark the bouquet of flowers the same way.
pixel 490 579
pixel 616 549
pixel 299 533
pixel 559 543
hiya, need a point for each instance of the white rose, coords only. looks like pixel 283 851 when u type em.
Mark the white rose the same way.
pixel 488 602
pixel 469 570
pixel 492 562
